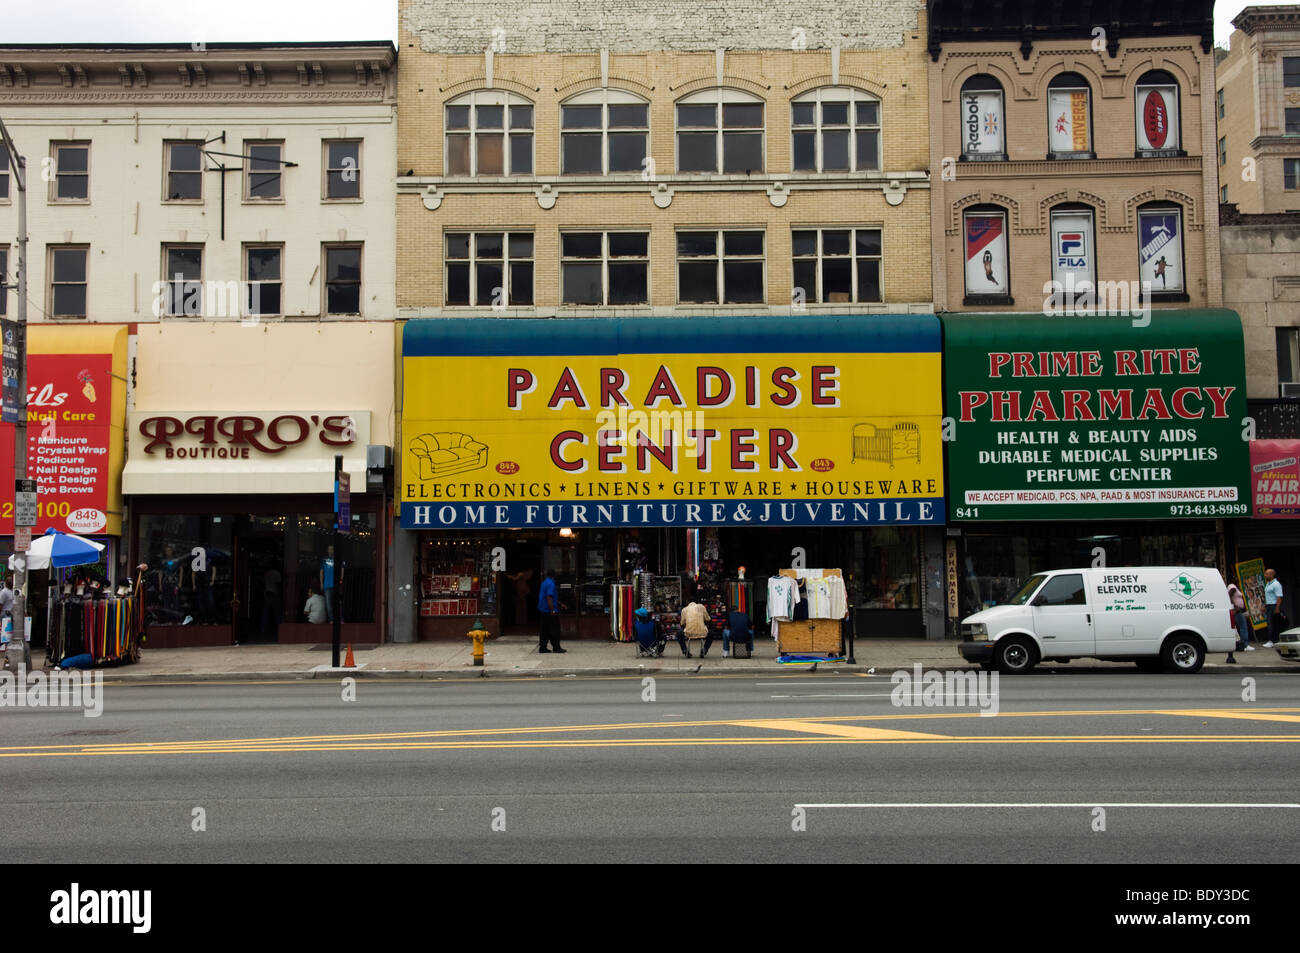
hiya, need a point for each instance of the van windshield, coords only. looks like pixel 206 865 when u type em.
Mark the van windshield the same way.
pixel 1027 590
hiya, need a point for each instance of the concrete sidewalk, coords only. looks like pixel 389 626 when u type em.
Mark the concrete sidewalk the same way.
pixel 519 657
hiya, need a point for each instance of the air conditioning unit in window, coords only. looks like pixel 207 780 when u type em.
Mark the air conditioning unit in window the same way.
pixel 1290 389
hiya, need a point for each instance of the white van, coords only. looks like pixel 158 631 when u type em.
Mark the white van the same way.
pixel 1161 617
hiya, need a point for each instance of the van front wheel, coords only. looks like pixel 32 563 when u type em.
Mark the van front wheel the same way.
pixel 1183 652
pixel 1015 655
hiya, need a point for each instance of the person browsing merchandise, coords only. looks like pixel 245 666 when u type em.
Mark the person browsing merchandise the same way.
pixel 548 604
pixel 1273 600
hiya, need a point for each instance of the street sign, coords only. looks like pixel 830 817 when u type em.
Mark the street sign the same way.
pixel 9 401
pixel 25 503
pixel 343 501
pixel 22 539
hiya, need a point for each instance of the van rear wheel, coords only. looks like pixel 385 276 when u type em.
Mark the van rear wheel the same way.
pixel 1183 652
pixel 1015 655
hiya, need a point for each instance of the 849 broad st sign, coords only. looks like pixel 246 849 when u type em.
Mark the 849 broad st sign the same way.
pixel 1092 418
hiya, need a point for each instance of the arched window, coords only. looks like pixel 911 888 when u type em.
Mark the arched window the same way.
pixel 986 252
pixel 835 129
pixel 489 132
pixel 603 130
pixel 1157 110
pixel 982 119
pixel 720 130
pixel 1160 248
pixel 1069 115
pixel 1074 248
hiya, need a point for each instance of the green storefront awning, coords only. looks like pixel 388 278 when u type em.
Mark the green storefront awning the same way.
pixel 1095 417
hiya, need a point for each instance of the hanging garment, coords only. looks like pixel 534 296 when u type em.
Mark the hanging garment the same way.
pixel 782 597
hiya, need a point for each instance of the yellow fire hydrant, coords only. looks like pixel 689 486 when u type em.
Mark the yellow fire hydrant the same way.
pixel 479 635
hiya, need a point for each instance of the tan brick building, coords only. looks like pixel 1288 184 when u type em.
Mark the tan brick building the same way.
pixel 1258 108
pixel 1048 129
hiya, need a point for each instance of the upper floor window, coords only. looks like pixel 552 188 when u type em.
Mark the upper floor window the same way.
pixel 834 266
pixel 264 171
pixel 489 132
pixel 604 130
pixel 489 268
pixel 720 267
pixel 183 279
pixel 71 161
pixel 1074 256
pixel 342 169
pixel 1291 174
pixel 605 268
pixel 1223 194
pixel 184 164
pixel 1160 248
pixel 342 279
pixel 720 130
pixel 1223 151
pixel 263 279
pixel 1069 114
pixel 987 261
pixel 835 129
pixel 1156 103
pixel 4 279
pixel 982 119
pixel 4 173
pixel 1218 102
pixel 1292 122
pixel 68 282
pixel 1291 71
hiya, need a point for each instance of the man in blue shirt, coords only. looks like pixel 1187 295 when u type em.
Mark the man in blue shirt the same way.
pixel 1273 599
pixel 548 604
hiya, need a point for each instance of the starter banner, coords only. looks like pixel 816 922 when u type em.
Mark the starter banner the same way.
pixel 1092 418
pixel 1275 478
pixel 814 420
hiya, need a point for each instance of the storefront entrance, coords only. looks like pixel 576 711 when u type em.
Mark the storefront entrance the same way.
pixel 260 584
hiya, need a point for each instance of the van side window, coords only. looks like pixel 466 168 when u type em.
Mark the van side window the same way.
pixel 1064 590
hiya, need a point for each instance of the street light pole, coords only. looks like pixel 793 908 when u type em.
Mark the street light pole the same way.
pixel 16 654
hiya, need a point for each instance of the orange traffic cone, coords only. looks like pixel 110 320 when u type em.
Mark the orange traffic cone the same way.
pixel 349 661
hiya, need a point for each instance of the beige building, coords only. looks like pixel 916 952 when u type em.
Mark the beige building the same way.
pixel 1071 160
pixel 1258 107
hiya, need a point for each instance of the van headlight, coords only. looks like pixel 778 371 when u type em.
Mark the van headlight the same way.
pixel 975 631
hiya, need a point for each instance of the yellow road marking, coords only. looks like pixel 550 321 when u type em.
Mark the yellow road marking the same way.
pixel 1250 715
pixel 839 731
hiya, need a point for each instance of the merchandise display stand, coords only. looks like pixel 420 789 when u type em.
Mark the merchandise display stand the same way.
pixel 820 636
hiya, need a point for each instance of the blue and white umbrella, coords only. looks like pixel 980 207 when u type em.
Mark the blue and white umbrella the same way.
pixel 61 549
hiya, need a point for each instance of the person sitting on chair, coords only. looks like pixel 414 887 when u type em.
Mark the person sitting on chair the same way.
pixel 738 630
pixel 648 636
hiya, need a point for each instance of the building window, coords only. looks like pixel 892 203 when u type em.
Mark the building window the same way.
pixel 1218 101
pixel 1223 194
pixel 1160 248
pixel 1074 257
pixel 183 280
pixel 720 267
pixel 342 169
pixel 263 277
pixel 71 172
pixel 982 118
pixel 264 171
pixel 1293 122
pixel 1288 361
pixel 604 130
pixel 4 279
pixel 1291 71
pixel 68 284
pixel 478 264
pixel 605 268
pixel 1223 151
pixel 835 130
pixel 1291 174
pixel 986 250
pixel 720 130
pixel 184 164
pixel 1156 103
pixel 4 173
pixel 342 279
pixel 489 132
pixel 1069 114
pixel 836 265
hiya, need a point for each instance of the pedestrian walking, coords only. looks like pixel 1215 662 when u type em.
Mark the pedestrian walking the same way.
pixel 1240 620
pixel 548 604
pixel 1273 600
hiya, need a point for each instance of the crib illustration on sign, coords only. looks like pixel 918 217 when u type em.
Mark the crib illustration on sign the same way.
pixel 886 444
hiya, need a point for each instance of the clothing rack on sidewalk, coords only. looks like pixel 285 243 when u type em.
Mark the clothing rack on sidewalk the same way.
pixel 816 635
pixel 108 629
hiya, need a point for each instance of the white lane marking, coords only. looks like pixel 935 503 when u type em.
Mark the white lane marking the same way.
pixel 1084 804
pixel 823 681
pixel 834 695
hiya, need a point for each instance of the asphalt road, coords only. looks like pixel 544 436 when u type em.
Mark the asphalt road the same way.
pixel 770 768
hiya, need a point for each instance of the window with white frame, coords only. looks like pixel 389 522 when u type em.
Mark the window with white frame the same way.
pixel 836 265
pixel 489 132
pixel 605 268
pixel 264 171
pixel 1156 104
pixel 342 169
pixel 983 126
pixel 264 279
pixel 342 279
pixel 835 129
pixel 1069 114
pixel 71 161
pixel 720 267
pixel 987 259
pixel 184 164
pixel 602 131
pixel 720 130
pixel 492 269
pixel 1074 249
pixel 183 280
pixel 1218 101
pixel 1160 248
pixel 68 283
pixel 1291 174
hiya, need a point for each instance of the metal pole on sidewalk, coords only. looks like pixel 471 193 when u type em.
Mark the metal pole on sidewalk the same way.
pixel 16 654
pixel 338 565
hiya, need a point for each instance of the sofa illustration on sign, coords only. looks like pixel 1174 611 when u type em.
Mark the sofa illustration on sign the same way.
pixel 441 454
pixel 886 444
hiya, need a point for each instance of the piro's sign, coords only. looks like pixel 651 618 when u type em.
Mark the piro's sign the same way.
pixel 838 426
pixel 236 436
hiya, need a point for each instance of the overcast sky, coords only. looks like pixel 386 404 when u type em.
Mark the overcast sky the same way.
pixel 177 21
